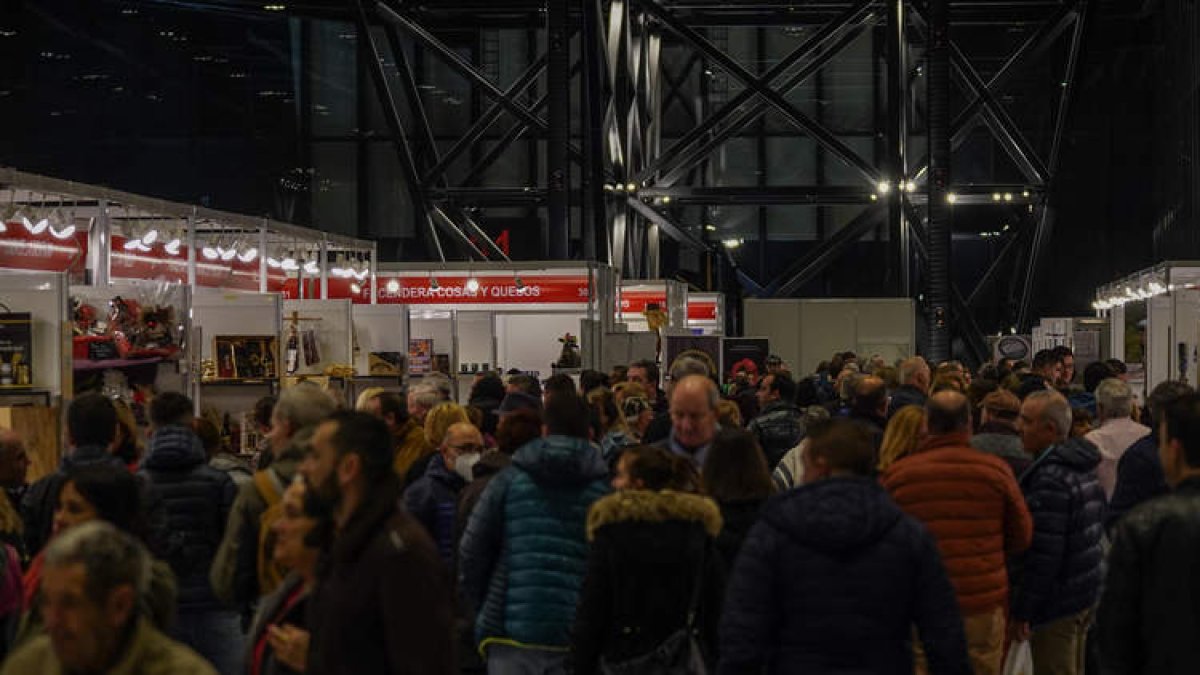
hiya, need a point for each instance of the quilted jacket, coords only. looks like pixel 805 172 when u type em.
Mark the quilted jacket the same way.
pixel 433 500
pixel 778 429
pixel 524 553
pixel 1061 573
pixel 1139 478
pixel 971 504
pixel 832 579
pixel 197 499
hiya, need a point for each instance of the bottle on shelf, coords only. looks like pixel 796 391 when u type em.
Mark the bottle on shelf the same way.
pixel 293 351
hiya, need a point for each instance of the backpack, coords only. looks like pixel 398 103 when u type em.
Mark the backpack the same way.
pixel 270 573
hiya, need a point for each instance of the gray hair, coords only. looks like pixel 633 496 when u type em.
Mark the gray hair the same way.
pixel 688 366
pixel 1055 410
pixel 110 557
pixel 426 395
pixel 710 388
pixel 910 367
pixel 439 383
pixel 1114 399
pixel 304 405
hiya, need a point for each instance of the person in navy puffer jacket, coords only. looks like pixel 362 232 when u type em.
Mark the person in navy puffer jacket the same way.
pixel 197 499
pixel 833 577
pixel 433 499
pixel 524 552
pixel 1058 579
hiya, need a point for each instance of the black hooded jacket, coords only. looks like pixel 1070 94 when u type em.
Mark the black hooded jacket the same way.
pixel 831 580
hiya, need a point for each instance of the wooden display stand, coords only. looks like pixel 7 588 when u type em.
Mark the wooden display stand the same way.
pixel 38 427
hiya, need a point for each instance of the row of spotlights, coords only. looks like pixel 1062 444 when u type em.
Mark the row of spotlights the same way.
pixel 1131 294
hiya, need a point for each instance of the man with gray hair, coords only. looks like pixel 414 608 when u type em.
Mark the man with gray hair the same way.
pixel 1059 585
pixel 694 401
pixel 1140 475
pixel 1117 431
pixel 686 366
pixel 91 580
pixel 422 397
pixel 236 575
pixel 914 379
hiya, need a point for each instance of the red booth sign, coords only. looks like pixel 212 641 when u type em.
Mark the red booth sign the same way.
pixel 635 302
pixel 22 250
pixel 490 290
pixel 702 310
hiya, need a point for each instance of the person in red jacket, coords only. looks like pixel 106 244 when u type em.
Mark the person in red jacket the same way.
pixel 971 504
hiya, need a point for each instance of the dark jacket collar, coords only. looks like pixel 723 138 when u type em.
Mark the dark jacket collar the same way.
pixel 650 506
pixel 778 405
pixel 84 455
pixel 174 447
pixel 998 428
pixel 367 522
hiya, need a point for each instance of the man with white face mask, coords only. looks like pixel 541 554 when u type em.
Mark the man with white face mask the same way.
pixel 433 499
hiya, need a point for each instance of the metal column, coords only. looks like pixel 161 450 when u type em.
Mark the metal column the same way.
pixel 558 161
pixel 939 229
pixel 897 136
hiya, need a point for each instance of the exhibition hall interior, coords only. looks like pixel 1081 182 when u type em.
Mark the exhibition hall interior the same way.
pixel 599 336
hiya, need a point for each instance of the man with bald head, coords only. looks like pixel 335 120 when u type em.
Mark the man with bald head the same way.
pixel 433 498
pixel 971 504
pixel 869 406
pixel 914 379
pixel 694 400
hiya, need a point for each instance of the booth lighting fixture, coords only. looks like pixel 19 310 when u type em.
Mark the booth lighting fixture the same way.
pixel 472 285
pixel 951 198
pixel 355 288
pixel 172 247
pixel 38 228
pixel 631 187
pixel 150 237
pixel 65 233
pixel 273 263
pixel 289 264
pixel 136 245
pixel 519 283
pixel 1117 299
pixel 210 253
pixel 433 283
pixel 1008 196
pixel 248 256
pixel 1025 194
pixel 3 227
pixel 996 196
pixel 312 268
pixel 393 285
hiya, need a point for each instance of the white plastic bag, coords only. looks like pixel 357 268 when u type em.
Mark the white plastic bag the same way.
pixel 1018 660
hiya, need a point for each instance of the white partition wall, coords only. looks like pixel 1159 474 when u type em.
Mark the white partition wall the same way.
pixel 221 314
pixel 332 325
pixel 804 332
pixel 44 295
pixel 381 330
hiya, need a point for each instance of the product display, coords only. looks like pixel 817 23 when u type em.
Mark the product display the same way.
pixel 16 349
pixel 245 356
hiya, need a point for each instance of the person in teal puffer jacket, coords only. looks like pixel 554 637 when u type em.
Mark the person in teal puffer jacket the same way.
pixel 524 552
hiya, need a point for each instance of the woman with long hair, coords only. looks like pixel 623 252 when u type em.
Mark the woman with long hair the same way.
pixel 653 578
pixel 278 640
pixel 736 477
pixel 616 434
pixel 902 436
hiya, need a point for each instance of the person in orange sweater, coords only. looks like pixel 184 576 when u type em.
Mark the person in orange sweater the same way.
pixel 970 502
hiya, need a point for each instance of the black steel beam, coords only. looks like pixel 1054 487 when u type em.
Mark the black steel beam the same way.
pixel 938 230
pixel 558 162
pixel 808 48
pixel 897 141
pixel 990 274
pixel 1045 226
pixel 484 122
pixel 592 177
pixel 466 69
pixel 773 98
pixel 812 264
pixel 667 225
pixel 412 93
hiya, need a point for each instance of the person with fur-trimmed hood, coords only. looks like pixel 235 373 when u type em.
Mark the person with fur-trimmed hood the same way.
pixel 653 570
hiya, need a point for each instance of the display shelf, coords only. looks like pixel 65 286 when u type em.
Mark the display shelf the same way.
pixel 9 393
pixel 240 382
pixel 106 364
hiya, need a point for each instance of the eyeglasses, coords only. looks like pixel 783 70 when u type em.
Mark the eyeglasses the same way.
pixel 468 447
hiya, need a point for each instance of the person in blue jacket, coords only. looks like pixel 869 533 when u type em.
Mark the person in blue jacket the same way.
pixel 834 576
pixel 524 552
pixel 433 499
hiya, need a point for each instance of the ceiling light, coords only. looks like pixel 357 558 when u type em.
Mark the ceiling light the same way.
pixel 150 237
pixel 884 187
pixel 393 285
pixel 172 247
pixel 65 233
pixel 289 264
pixel 472 285
pixel 229 253
pixel 910 186
pixel 210 253
pixel 1008 196
pixel 732 243
pixel 271 262
pixel 39 228
pixel 995 196
pixel 135 245
pixel 249 255
pixel 312 268
pixel 951 198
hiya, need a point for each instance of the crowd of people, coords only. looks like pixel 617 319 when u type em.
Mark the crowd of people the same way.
pixel 867 517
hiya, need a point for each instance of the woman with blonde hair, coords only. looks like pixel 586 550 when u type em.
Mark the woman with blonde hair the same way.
pixel 438 420
pixel 902 436
pixel 363 402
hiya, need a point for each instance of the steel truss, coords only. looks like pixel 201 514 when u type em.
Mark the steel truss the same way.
pixel 632 182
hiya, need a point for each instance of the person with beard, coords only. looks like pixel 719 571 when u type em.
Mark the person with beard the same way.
pixel 382 602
